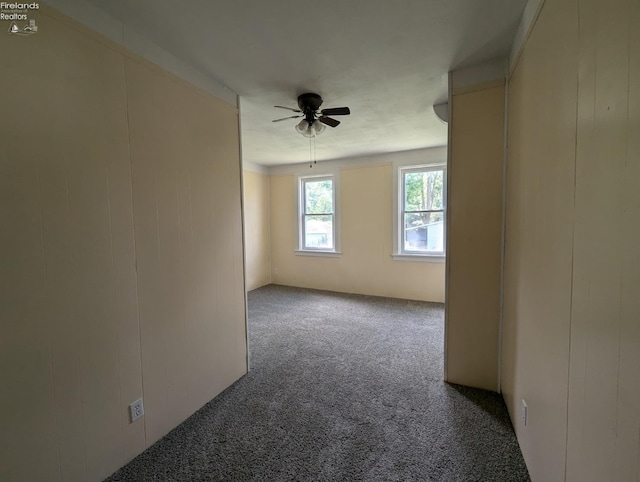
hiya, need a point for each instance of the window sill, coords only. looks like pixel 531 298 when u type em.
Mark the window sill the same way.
pixel 318 253
pixel 421 258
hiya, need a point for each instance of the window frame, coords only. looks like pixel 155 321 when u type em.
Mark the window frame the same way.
pixel 302 180
pixel 399 253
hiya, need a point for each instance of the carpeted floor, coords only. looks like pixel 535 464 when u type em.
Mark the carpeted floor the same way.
pixel 341 387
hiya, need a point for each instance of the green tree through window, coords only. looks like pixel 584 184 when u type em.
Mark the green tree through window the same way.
pixel 319 197
pixel 423 210
pixel 424 190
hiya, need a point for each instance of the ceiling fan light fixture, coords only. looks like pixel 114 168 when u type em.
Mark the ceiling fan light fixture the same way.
pixel 312 129
pixel 318 126
pixel 304 129
pixel 315 122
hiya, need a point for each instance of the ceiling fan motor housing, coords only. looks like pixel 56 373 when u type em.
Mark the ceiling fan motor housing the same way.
pixel 309 103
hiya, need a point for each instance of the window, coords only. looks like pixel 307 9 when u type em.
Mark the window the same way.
pixel 317 214
pixel 420 229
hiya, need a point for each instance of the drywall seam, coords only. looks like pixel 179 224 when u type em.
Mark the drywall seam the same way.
pixel 47 290
pixel 626 165
pixel 114 295
pixel 72 256
pixel 503 235
pixel 135 241
pixel 573 230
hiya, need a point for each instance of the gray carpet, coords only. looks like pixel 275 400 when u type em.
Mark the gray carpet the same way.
pixel 341 387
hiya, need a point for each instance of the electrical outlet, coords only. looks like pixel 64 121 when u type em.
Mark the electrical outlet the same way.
pixel 525 412
pixel 136 410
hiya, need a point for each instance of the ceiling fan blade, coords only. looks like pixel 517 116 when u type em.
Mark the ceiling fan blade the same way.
pixel 336 111
pixel 285 118
pixel 329 121
pixel 288 108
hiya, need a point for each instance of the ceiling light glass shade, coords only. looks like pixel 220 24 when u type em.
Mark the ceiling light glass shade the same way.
pixel 318 126
pixel 305 129
pixel 310 130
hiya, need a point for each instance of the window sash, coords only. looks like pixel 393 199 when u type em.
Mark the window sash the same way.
pixel 318 240
pixel 433 234
pixel 305 240
pixel 424 211
pixel 403 246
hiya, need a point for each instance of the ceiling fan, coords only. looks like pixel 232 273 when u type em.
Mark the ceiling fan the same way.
pixel 312 124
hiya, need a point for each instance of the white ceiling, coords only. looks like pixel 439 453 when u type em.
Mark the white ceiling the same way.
pixel 385 59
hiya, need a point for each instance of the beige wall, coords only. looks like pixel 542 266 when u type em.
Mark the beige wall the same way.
pixel 117 279
pixel 604 371
pixel 571 342
pixel 475 235
pixel 256 228
pixel 366 237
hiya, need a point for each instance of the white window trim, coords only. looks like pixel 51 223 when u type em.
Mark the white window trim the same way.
pixel 319 252
pixel 398 254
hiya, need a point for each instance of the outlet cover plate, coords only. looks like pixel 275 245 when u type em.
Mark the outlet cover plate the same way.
pixel 136 410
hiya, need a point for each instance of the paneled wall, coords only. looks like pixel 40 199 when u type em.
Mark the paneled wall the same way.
pixel 186 200
pixel 257 228
pixel 475 235
pixel 539 236
pixel 120 252
pixel 571 344
pixel 604 371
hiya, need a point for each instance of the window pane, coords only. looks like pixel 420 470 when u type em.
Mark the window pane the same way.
pixel 423 191
pixel 318 231
pixel 424 232
pixel 318 197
